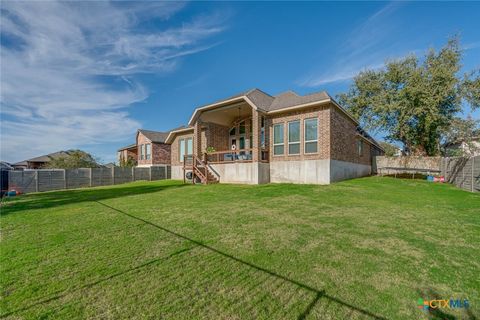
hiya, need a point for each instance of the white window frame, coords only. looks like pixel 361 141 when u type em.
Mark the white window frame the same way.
pixel 184 142
pixel 283 139
pixel 148 153
pixel 295 142
pixel 305 141
pixel 181 142
pixel 186 146
pixel 142 152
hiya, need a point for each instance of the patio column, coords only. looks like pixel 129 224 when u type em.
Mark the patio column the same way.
pixel 197 139
pixel 256 143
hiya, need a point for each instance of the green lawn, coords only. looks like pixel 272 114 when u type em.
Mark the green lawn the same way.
pixel 364 248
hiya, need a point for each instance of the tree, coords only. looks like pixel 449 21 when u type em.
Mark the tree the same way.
pixel 74 159
pixel 390 149
pixel 128 163
pixel 413 100
pixel 464 134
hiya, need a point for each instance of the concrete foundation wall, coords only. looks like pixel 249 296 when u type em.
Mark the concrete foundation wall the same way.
pixel 263 173
pixel 177 172
pixel 342 170
pixel 303 171
pixel 237 172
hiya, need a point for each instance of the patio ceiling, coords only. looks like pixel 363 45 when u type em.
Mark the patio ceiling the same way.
pixel 226 115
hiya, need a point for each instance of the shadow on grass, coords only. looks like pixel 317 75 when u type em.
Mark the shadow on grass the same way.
pixel 251 278
pixel 318 294
pixel 60 294
pixel 65 197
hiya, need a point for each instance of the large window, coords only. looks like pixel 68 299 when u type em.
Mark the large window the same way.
pixel 311 135
pixel 181 147
pixel 142 152
pixel 185 147
pixel 189 146
pixel 294 137
pixel 148 151
pixel 278 142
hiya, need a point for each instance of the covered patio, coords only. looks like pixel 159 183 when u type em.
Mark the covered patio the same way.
pixel 228 135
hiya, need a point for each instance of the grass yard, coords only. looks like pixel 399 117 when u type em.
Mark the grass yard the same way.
pixel 360 249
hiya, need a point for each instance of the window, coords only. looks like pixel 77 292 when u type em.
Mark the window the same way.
pixel 142 152
pixel 185 146
pixel 262 133
pixel 181 147
pixel 242 143
pixel 241 127
pixel 232 131
pixel 360 147
pixel 189 146
pixel 148 151
pixel 294 137
pixel 311 135
pixel 278 143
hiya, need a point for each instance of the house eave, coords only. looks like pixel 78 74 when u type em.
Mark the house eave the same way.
pixel 212 106
pixel 170 136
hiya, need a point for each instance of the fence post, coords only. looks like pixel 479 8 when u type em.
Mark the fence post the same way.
pixel 133 173
pixel 64 178
pixel 473 168
pixel 91 177
pixel 150 173
pixel 113 175
pixel 165 167
pixel 36 180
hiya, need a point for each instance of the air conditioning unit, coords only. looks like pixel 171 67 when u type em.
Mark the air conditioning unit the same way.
pixel 189 175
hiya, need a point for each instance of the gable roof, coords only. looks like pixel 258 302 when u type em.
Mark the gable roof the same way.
pixel 262 101
pixel 291 99
pixel 154 136
pixel 130 146
pixel 44 158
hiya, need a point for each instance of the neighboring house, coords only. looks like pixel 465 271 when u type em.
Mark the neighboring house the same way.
pixel 130 151
pixel 5 165
pixel 254 137
pixel 39 162
pixel 462 148
pixel 151 148
pixel 108 165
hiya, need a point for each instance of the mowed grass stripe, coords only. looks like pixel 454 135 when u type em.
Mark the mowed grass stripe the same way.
pixel 367 247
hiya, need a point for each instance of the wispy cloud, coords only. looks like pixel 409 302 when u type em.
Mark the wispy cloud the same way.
pixel 364 49
pixel 68 69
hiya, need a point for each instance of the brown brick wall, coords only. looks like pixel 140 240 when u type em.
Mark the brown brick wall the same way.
pixel 175 151
pixel 322 113
pixel 160 152
pixel 344 140
pixel 215 136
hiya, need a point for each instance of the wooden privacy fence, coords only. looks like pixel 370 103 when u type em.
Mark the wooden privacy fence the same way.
pixel 56 179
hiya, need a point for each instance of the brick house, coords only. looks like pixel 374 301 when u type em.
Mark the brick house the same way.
pixel 127 152
pixel 254 137
pixel 152 149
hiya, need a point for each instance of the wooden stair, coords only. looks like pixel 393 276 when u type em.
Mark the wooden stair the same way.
pixel 201 171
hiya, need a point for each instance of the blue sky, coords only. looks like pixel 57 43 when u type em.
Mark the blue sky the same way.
pixel 87 75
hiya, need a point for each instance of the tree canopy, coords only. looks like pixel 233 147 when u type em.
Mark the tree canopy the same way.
pixel 74 159
pixel 414 100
